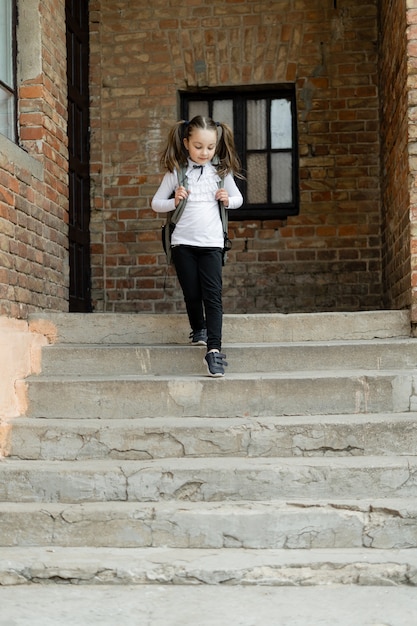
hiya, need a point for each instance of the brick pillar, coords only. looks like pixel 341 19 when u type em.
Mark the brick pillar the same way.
pixel 34 272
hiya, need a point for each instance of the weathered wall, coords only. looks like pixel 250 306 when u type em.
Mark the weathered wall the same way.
pixel 20 356
pixel 33 177
pixel 394 153
pixel 327 258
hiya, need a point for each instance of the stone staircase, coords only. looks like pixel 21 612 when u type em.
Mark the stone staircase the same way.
pixel 132 467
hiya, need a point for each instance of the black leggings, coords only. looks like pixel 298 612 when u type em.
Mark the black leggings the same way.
pixel 199 272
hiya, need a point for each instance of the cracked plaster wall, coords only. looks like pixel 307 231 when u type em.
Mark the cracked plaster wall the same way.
pixel 19 357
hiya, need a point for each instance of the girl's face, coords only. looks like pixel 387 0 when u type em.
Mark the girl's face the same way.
pixel 201 145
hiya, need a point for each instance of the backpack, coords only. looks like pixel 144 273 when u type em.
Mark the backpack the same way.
pixel 173 218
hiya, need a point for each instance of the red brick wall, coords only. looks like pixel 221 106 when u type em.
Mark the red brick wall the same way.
pixel 394 154
pixel 33 191
pixel 327 258
pixel 340 253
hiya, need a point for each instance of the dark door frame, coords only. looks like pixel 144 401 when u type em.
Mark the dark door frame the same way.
pixel 77 33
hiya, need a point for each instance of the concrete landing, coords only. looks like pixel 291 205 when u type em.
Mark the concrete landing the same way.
pixel 156 605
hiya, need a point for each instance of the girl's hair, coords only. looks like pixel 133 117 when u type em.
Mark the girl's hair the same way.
pixel 226 159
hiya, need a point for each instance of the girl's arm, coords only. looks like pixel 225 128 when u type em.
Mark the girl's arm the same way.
pixel 162 202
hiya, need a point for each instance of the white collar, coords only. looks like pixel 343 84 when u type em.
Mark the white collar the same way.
pixel 193 167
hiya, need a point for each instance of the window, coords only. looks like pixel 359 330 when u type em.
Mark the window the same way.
pixel 264 127
pixel 8 69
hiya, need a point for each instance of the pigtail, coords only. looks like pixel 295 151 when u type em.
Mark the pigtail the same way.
pixel 229 162
pixel 174 155
pixel 226 158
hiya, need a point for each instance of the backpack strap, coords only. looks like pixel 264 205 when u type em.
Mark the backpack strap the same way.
pixel 224 219
pixel 222 209
pixel 173 217
pixel 183 182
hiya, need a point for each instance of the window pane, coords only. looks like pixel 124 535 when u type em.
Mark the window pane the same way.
pixel 199 107
pixel 7 114
pixel 223 112
pixel 6 48
pixel 281 125
pixel 256 124
pixel 281 177
pixel 257 178
pixel 265 133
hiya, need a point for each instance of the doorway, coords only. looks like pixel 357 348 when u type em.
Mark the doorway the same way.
pixel 77 32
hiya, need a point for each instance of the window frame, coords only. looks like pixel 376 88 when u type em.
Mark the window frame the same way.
pixel 240 96
pixel 12 89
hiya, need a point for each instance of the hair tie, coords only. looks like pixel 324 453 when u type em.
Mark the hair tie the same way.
pixel 217 123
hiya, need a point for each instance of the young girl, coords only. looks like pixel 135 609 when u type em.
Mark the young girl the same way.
pixel 207 150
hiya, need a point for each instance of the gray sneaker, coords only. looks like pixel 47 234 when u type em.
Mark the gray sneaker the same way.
pixel 215 364
pixel 199 337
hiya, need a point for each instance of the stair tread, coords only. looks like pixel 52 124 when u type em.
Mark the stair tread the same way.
pixel 212 463
pixel 407 506
pixel 161 605
pixel 160 554
pixel 231 376
pixel 264 345
pixel 148 328
pixel 208 566
pixel 144 438
pixel 209 479
pixel 222 422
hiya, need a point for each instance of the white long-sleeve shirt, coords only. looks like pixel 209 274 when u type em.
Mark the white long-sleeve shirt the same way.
pixel 200 223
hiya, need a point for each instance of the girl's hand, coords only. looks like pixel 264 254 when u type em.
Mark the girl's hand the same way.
pixel 180 194
pixel 223 196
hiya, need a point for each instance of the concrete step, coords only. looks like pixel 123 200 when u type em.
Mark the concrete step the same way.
pixel 298 468
pixel 150 329
pixel 130 359
pixel 254 395
pixel 304 524
pixel 170 566
pixel 208 605
pixel 207 479
pixel 156 438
